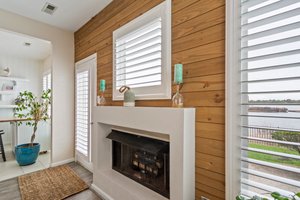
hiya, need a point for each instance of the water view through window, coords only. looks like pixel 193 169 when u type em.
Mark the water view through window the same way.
pixel 270 104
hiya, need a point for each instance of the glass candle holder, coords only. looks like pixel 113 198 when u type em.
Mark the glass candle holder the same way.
pixel 177 99
pixel 101 99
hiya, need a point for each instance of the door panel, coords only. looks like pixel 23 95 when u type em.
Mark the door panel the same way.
pixel 84 100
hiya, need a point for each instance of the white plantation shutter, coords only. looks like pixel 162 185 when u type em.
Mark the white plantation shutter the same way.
pixel 44 82
pixel 138 57
pixel 47 81
pixel 270 79
pixel 142 55
pixel 82 112
pixel 46 86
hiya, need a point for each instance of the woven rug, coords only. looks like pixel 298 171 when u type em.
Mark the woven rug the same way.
pixel 51 184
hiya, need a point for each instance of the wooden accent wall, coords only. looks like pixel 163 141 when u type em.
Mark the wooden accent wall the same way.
pixel 198 34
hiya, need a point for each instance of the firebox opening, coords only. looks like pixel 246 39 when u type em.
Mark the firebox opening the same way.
pixel 143 159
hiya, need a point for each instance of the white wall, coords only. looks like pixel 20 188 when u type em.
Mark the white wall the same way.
pixel 62 79
pixel 47 64
pixel 23 68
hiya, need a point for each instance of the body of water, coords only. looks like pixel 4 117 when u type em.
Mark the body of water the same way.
pixel 283 120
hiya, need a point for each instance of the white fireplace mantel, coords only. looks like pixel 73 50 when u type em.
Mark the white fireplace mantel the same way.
pixel 177 125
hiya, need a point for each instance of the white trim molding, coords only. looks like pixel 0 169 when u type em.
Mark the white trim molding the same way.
pixel 100 192
pixel 91 57
pixel 82 161
pixel 63 162
pixel 232 85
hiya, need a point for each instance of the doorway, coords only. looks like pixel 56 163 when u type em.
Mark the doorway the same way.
pixel 84 101
pixel 25 65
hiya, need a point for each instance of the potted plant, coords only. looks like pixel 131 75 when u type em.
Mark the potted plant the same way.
pixel 275 195
pixel 31 110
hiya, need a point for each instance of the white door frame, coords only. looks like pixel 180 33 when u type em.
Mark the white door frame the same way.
pixel 92 101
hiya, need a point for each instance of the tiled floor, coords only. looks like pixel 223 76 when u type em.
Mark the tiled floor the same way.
pixel 11 169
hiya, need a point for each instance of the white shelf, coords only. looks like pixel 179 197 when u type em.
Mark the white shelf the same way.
pixel 9 78
pixel 8 106
pixel 7 92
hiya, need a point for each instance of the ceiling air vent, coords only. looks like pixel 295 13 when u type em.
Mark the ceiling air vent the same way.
pixel 27 44
pixel 49 8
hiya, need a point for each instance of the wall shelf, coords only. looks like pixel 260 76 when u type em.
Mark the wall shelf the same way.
pixel 7 92
pixel 9 78
pixel 8 106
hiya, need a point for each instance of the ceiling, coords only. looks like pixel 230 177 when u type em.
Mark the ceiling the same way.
pixel 13 44
pixel 69 15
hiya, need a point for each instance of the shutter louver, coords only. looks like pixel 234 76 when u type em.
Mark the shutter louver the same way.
pixel 44 82
pixel 46 86
pixel 82 106
pixel 138 57
pixel 270 96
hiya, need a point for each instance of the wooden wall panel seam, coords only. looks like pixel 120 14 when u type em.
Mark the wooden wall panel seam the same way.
pixel 197 15
pixel 193 10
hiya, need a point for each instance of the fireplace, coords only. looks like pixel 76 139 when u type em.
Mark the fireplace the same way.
pixel 143 159
pixel 173 131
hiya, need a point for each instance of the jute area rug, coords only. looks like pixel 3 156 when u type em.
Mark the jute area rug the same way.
pixel 51 184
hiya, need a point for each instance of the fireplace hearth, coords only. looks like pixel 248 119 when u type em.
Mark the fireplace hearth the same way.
pixel 142 159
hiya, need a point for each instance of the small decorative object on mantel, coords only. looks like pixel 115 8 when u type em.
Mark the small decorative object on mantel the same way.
pixel 129 96
pixel 5 71
pixel 177 99
pixel 100 99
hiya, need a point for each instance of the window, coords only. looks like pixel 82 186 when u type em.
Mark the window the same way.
pixel 268 126
pixel 46 86
pixel 142 55
pixel 82 112
pixel 47 81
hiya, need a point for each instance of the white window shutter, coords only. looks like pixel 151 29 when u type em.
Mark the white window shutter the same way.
pixel 82 112
pixel 142 55
pixel 270 81
pixel 138 57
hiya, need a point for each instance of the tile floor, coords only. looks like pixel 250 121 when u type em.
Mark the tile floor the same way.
pixel 11 169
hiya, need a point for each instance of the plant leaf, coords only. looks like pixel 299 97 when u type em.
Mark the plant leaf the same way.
pixel 240 197
pixel 275 195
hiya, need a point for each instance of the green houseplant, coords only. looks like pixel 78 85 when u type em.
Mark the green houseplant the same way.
pixel 32 110
pixel 275 195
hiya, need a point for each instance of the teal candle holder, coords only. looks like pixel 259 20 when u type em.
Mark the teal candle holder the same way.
pixel 101 99
pixel 102 85
pixel 178 73
pixel 177 99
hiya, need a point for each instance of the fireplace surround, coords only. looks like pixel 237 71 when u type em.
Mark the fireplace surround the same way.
pixel 173 127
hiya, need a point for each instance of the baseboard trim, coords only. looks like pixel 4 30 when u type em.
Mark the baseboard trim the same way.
pixel 86 165
pixel 100 192
pixel 62 162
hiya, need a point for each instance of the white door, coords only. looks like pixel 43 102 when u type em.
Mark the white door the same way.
pixel 84 100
